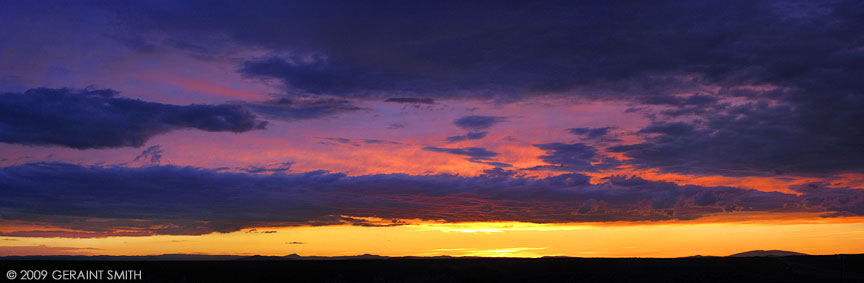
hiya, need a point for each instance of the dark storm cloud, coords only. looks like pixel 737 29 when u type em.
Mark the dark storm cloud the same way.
pixel 499 172
pixel 474 154
pixel 842 201
pixel 87 118
pixel 688 105
pixel 592 133
pixel 476 123
pixel 358 142
pixel 804 58
pixel 377 141
pixel 411 100
pixel 756 139
pixel 669 129
pixel 318 76
pixel 468 136
pixel 191 201
pixel 291 110
pixel 576 157
pixel 694 100
pixel 152 155
pixel 276 167
pixel 442 49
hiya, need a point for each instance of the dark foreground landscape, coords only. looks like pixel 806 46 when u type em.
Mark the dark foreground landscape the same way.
pixel 834 268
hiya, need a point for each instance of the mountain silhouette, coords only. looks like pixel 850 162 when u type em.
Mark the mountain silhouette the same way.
pixel 761 253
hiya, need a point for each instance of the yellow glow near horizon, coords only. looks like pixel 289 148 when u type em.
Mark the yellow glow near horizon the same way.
pixel 502 239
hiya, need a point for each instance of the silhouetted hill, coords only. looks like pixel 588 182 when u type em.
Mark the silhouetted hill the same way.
pixel 165 257
pixel 757 253
pixel 196 257
pixel 299 257
pixel 699 256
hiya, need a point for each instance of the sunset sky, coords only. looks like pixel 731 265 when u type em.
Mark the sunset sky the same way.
pixel 425 128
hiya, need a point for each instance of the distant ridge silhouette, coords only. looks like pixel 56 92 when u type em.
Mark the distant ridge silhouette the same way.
pixel 290 257
pixel 371 268
pixel 198 257
pixel 761 253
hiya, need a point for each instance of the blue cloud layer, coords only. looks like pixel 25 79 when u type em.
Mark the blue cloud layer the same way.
pixel 85 119
pixel 188 200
